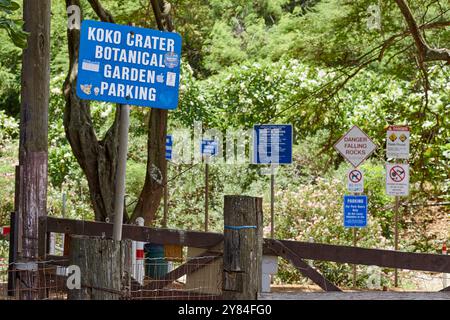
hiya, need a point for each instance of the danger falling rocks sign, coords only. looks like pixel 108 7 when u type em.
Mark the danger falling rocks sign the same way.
pixel 355 146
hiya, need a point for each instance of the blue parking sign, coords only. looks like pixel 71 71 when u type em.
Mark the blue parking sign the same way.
pixel 169 145
pixel 355 211
pixel 272 144
pixel 129 65
pixel 209 147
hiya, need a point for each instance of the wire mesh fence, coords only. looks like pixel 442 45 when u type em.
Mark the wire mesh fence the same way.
pixel 35 281
pixel 193 278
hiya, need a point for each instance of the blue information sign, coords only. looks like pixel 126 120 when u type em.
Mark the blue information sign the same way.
pixel 355 211
pixel 169 144
pixel 272 144
pixel 209 147
pixel 129 65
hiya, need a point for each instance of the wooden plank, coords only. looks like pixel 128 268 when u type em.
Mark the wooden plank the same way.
pixel 133 232
pixel 284 252
pixel 377 257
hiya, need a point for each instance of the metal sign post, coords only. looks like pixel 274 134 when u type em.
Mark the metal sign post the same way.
pixel 397 204
pixel 272 144
pixel 397 174
pixel 272 201
pixel 119 192
pixel 355 216
pixel 206 194
pixel 130 66
pixel 354 266
pixel 169 145
pixel 209 148
pixel 355 146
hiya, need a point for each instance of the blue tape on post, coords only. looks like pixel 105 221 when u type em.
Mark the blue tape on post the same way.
pixel 239 227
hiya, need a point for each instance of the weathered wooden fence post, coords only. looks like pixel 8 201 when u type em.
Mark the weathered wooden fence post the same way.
pixel 242 252
pixel 105 268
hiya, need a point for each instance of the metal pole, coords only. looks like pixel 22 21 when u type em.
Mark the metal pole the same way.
pixel 206 194
pixel 121 172
pixel 166 199
pixel 354 266
pixel 272 202
pixel 64 200
pixel 63 212
pixel 397 203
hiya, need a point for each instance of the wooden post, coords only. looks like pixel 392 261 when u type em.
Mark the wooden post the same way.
pixel 272 201
pixel 33 146
pixel 12 254
pixel 354 266
pixel 206 192
pixel 397 203
pixel 105 267
pixel 242 253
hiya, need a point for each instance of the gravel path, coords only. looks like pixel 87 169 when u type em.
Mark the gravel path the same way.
pixel 355 296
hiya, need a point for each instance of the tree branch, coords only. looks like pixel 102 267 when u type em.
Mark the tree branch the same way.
pixel 102 13
pixel 426 53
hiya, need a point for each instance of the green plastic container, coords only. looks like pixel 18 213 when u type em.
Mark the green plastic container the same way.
pixel 156 265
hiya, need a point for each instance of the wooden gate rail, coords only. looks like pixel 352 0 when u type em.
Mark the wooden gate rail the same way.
pixel 354 255
pixel 137 233
pixel 293 251
pixel 305 269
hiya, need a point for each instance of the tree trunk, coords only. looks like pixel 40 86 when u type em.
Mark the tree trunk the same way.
pixel 152 192
pixel 33 146
pixel 98 159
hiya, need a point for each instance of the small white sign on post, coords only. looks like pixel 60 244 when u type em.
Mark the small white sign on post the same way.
pixel 355 181
pixel 397 179
pixel 355 146
pixel 397 142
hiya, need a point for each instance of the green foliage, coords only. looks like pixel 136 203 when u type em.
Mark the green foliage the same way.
pixel 13 27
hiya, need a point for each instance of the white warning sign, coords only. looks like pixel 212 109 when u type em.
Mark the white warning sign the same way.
pixel 397 142
pixel 355 180
pixel 355 146
pixel 397 179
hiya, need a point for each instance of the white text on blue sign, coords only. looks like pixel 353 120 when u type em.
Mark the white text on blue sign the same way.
pixel 129 65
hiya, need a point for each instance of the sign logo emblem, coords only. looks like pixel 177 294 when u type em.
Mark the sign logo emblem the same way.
pixel 397 174
pixel 403 137
pixel 355 176
pixel 393 137
pixel 171 60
